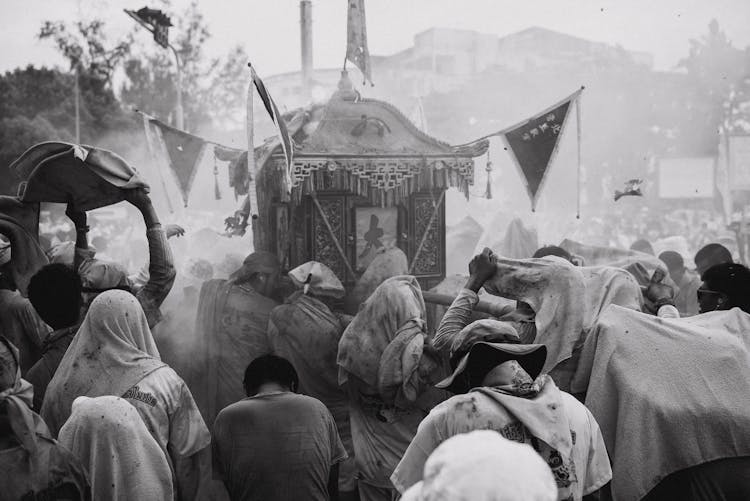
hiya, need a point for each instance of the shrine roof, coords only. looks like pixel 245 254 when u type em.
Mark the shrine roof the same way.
pixel 354 127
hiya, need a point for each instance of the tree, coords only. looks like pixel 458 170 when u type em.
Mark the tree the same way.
pixel 92 60
pixel 19 133
pixel 715 68
pixel 213 89
pixel 84 47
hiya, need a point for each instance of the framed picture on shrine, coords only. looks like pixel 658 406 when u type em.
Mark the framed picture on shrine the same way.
pixel 375 228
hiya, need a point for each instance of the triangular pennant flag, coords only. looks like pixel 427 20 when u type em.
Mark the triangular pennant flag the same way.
pixel 533 144
pixel 273 112
pixel 184 152
pixel 356 38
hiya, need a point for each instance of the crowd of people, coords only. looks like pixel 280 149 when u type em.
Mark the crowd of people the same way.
pixel 264 385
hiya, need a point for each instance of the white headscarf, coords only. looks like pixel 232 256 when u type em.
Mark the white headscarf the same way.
pixel 484 466
pixel 123 460
pixel 318 279
pixel 112 351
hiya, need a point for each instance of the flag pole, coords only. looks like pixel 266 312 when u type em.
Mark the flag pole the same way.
pixel 252 195
pixel 578 127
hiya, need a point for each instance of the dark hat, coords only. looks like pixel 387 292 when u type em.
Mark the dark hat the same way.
pixel 484 356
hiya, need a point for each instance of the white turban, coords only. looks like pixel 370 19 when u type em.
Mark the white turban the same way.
pixel 484 466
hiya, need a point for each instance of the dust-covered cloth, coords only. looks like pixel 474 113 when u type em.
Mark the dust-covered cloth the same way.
pixel 306 332
pixel 231 326
pixel 26 256
pixel 639 264
pixel 37 466
pixel 90 177
pixel 123 460
pixel 677 388
pixel 566 300
pixel 386 264
pixel 483 466
pixel 383 359
pixel 112 351
pixel 555 424
pixel 384 343
pixel 20 323
pixel 594 255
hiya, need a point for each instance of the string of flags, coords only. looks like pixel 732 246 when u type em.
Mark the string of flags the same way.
pixel 533 143
pixel 184 152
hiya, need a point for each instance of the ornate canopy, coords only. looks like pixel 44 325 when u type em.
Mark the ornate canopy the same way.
pixel 370 148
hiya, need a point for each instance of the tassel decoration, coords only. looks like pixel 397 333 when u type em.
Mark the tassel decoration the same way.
pixel 488 193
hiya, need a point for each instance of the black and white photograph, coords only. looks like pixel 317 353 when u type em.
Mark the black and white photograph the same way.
pixel 375 250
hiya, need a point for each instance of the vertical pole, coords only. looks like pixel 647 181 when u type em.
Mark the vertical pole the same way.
pixel 578 127
pixel 305 15
pixel 252 195
pixel 78 113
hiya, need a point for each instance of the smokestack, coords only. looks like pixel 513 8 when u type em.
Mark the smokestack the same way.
pixel 305 20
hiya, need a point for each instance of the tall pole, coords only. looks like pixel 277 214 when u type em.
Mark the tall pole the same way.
pixel 305 19
pixel 180 116
pixel 78 113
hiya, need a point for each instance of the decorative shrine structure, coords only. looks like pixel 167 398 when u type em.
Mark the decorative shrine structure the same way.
pixel 363 177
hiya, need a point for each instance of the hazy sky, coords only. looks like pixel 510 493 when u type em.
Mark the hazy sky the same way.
pixel 269 29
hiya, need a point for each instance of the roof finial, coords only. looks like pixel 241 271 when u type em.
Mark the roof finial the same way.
pixel 346 90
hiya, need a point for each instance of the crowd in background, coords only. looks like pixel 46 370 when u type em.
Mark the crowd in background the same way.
pixel 186 370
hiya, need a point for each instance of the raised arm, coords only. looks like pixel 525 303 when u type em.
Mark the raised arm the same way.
pixel 161 269
pixel 481 268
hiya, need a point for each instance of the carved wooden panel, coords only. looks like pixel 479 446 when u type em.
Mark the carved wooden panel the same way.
pixel 324 247
pixel 427 229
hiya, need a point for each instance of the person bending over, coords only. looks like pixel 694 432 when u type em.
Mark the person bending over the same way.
pixel 276 444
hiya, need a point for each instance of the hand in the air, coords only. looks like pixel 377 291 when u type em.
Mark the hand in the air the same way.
pixel 483 266
pixel 78 217
pixel 174 230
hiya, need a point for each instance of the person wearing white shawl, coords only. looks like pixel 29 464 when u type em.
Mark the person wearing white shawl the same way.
pixel 500 387
pixel 114 353
pixel 33 465
pixel 483 466
pixel 389 367
pixel 124 461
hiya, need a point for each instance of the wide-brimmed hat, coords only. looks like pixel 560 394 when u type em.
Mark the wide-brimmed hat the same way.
pixel 484 356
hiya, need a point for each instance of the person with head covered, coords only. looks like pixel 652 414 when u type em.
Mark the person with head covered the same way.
pixel 306 331
pixel 122 458
pixel 19 322
pixel 114 353
pixel 483 466
pixel 500 386
pixel 62 290
pixel 231 324
pixel 33 464
pixel 389 367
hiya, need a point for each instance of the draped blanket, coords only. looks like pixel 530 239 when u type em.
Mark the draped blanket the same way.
pixel 112 351
pixel 566 299
pixel 383 345
pixel 668 394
